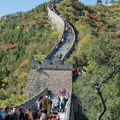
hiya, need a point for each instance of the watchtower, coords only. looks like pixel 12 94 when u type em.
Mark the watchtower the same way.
pixel 99 1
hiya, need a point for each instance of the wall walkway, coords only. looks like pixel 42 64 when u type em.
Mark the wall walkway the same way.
pixel 53 71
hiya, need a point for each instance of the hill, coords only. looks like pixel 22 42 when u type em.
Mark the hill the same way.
pixel 23 38
pixel 96 52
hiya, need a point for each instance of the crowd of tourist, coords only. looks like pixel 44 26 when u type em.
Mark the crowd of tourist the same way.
pixel 77 72
pixel 45 108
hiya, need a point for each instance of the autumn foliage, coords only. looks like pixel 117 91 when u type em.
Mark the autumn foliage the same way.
pixel 9 46
pixel 24 63
pixel 94 16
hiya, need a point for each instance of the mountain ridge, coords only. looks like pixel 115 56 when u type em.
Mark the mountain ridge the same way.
pixel 95 51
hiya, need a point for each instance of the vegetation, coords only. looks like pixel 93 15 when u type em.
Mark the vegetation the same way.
pixel 97 52
pixel 24 37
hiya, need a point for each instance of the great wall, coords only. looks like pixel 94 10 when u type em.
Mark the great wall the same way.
pixel 53 73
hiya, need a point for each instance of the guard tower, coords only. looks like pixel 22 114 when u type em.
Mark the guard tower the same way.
pixel 99 1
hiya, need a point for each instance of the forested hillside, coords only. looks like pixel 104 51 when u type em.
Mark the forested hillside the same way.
pixel 29 36
pixel 97 52
pixel 24 37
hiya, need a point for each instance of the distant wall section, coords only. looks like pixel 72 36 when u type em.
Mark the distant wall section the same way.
pixel 56 20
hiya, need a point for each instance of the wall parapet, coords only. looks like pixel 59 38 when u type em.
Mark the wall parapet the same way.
pixel 48 64
pixel 69 114
pixel 30 103
pixel 72 45
pixel 55 19
pixel 68 106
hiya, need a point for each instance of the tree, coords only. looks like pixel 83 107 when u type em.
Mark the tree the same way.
pixel 103 57
pixel 98 88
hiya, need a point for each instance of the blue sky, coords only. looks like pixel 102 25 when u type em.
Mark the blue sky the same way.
pixel 13 6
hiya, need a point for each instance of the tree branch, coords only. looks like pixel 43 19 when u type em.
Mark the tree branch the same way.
pixel 98 88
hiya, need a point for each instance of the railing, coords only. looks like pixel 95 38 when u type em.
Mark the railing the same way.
pixel 69 114
pixel 68 106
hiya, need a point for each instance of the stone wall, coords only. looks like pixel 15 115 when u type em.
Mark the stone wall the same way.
pixel 30 103
pixel 48 64
pixel 74 110
pixel 72 46
pixel 56 20
pixel 77 111
pixel 53 79
pixel 34 84
pixel 57 79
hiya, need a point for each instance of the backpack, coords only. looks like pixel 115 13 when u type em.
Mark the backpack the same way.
pixel 55 104
pixel 40 105
pixel 21 112
pixel 63 103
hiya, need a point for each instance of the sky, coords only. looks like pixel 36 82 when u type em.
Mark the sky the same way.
pixel 13 6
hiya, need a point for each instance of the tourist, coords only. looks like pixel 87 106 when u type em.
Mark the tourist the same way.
pixel 43 115
pixel 28 114
pixel 54 116
pixel 5 112
pixel 13 115
pixel 34 115
pixel 62 105
pixel 21 113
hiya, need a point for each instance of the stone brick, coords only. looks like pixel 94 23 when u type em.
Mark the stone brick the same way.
pixel 52 79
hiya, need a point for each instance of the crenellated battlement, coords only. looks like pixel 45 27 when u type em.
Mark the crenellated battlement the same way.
pixel 48 64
